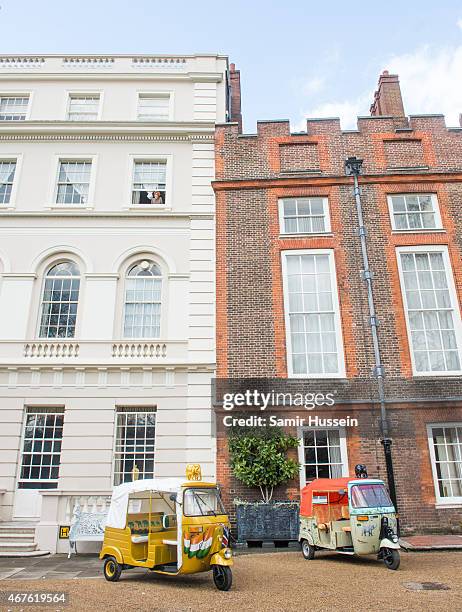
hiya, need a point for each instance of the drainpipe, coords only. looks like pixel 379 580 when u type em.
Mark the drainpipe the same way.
pixel 353 168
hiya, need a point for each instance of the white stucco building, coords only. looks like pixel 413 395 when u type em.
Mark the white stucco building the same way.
pixel 107 338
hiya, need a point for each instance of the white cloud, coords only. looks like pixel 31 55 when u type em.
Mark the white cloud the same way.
pixel 314 85
pixel 459 23
pixel 430 79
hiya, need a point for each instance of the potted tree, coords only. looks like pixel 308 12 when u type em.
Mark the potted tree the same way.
pixel 258 459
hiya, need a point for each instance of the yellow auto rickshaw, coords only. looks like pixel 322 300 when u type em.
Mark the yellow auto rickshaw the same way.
pixel 170 527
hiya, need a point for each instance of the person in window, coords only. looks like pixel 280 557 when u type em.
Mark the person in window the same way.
pixel 157 198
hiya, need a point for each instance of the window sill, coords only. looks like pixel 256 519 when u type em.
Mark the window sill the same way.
pixel 313 235
pixel 438 230
pixel 448 505
pixel 340 376
pixel 69 207
pixel 147 207
pixel 9 207
pixel 432 375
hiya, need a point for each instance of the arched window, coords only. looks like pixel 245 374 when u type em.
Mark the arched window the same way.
pixel 143 286
pixel 60 301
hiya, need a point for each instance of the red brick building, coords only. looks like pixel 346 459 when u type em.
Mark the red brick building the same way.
pixel 292 302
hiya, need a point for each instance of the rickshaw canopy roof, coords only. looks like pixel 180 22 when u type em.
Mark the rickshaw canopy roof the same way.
pixel 329 485
pixel 119 501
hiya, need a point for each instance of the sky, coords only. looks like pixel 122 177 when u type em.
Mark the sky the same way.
pixel 297 58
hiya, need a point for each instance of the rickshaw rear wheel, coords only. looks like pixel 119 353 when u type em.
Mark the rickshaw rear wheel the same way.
pixel 391 558
pixel 308 550
pixel 222 577
pixel 112 569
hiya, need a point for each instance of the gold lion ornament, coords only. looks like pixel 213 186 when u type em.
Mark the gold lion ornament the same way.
pixel 193 471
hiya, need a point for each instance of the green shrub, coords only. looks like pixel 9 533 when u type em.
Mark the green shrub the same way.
pixel 258 458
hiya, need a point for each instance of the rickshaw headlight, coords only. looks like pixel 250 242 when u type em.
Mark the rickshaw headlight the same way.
pixel 228 553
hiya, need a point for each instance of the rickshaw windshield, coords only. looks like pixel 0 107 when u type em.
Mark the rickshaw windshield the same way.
pixel 202 502
pixel 370 496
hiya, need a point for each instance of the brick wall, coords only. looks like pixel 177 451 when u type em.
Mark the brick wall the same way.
pixel 253 173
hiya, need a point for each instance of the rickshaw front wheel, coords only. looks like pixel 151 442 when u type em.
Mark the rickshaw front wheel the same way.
pixel 222 577
pixel 308 550
pixel 112 569
pixel 391 558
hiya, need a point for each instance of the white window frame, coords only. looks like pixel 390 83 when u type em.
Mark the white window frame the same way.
pixel 127 409
pixel 301 449
pixel 168 159
pixel 326 212
pixel 38 323
pixel 53 189
pixel 337 313
pixel 159 93
pixel 124 304
pixel 447 502
pixel 436 210
pixel 18 94
pixel 38 409
pixel 78 92
pixel 454 300
pixel 14 189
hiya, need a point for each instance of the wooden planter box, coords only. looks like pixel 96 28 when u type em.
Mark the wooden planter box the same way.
pixel 258 523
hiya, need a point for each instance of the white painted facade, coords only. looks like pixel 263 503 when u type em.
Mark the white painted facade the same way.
pixel 96 373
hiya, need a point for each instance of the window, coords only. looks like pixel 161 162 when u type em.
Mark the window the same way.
pixel 414 212
pixel 73 182
pixel 323 454
pixel 135 444
pixel 202 502
pixel 153 107
pixel 7 171
pixel 149 180
pixel 445 440
pixel 370 496
pixel 83 107
pixel 13 108
pixel 312 314
pixel 143 300
pixel 432 313
pixel 304 216
pixel 41 452
pixel 60 301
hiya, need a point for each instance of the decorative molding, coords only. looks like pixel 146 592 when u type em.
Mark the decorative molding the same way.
pixel 51 349
pixel 137 350
pixel 21 62
pixel 95 63
pixel 206 138
pixel 19 275
pixel 102 275
pixel 160 63
pixel 103 214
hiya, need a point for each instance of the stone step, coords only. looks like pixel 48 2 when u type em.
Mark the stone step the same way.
pixel 16 529
pixel 17 537
pixel 17 546
pixel 32 553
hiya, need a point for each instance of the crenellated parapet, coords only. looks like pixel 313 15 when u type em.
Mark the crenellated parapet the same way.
pixel 420 143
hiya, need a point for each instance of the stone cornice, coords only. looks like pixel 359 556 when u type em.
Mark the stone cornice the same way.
pixel 325 181
pixel 92 214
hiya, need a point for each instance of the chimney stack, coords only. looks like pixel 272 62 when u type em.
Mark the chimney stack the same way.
pixel 235 95
pixel 387 98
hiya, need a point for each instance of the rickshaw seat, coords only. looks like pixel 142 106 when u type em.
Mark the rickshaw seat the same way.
pixel 139 539
pixel 345 512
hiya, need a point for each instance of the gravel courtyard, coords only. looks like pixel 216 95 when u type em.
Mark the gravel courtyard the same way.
pixel 271 581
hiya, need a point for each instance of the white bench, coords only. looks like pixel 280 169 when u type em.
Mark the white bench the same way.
pixel 86 527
